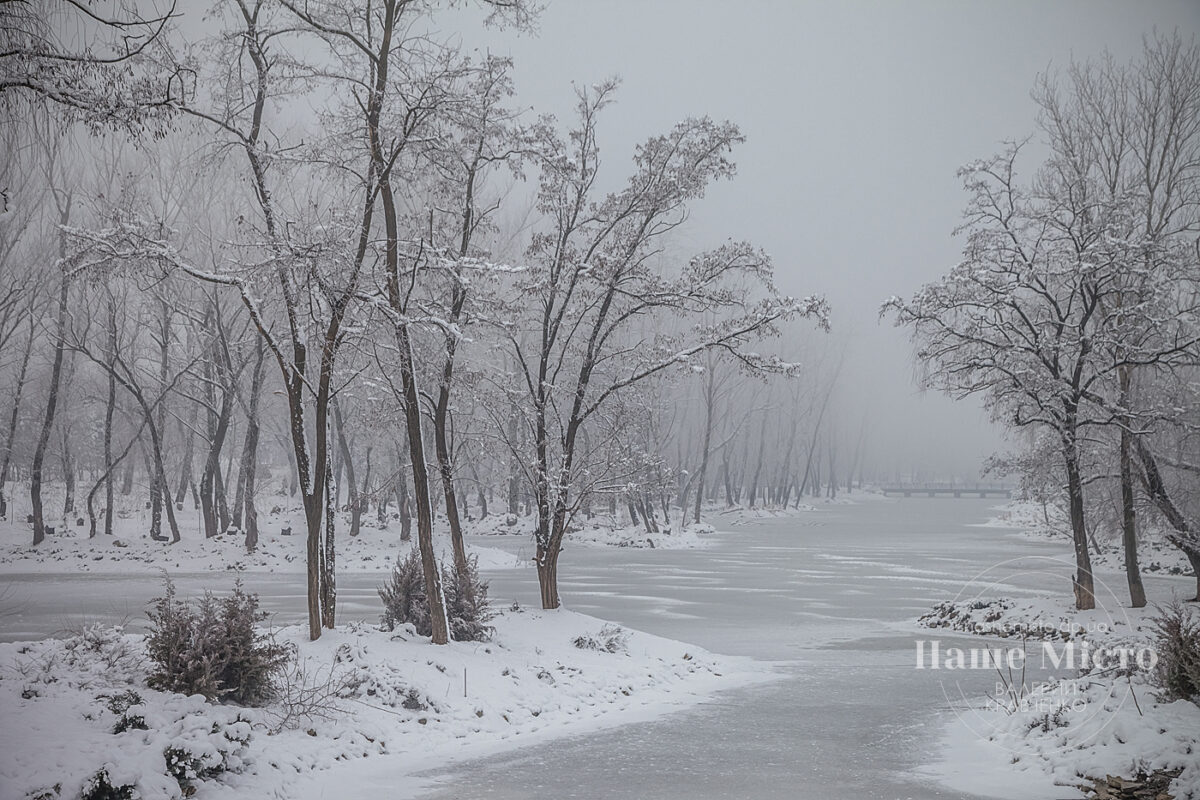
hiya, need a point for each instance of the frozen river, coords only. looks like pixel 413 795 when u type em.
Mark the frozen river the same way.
pixel 831 593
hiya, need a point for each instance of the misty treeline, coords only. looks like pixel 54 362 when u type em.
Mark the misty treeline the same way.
pixel 316 253
pixel 1074 309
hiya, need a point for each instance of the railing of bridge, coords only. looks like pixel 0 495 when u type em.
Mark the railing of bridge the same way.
pixel 947 488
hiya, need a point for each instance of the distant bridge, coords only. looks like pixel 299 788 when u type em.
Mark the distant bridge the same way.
pixel 955 489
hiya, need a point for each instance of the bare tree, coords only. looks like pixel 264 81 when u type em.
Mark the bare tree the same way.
pixel 590 282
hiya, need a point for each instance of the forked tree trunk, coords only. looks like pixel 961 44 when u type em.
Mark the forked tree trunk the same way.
pixel 218 426
pixel 185 470
pixel 352 498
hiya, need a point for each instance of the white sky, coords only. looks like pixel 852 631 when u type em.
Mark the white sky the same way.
pixel 857 115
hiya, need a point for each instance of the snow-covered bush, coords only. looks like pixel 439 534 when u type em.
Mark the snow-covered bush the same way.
pixel 94 656
pixel 100 787
pixel 201 758
pixel 467 604
pixel 609 639
pixel 213 648
pixel 383 682
pixel 127 706
pixel 404 601
pixel 1178 646
pixel 403 595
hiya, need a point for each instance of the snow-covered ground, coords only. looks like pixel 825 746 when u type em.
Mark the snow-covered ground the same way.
pixel 281 545
pixel 1033 520
pixel 834 592
pixel 1094 710
pixel 604 530
pixel 401 704
pixel 1029 520
pixel 743 515
pixel 69 549
pixel 401 701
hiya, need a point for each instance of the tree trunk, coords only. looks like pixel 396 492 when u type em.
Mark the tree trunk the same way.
pixel 329 558
pixel 249 467
pixel 39 453
pixel 218 426
pixel 22 375
pixel 725 476
pixel 352 498
pixel 441 443
pixel 1083 582
pixel 127 480
pixel 762 446
pixel 68 468
pixel 403 508
pixel 185 471
pixel 1185 535
pixel 159 491
pixel 1133 575
pixel 109 408
pixel 416 452
pixel 708 425
pixel 547 569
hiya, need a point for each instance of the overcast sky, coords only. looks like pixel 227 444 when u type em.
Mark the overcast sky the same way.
pixel 857 115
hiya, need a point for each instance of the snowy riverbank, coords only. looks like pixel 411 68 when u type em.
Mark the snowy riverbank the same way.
pixel 1033 521
pixel 374 549
pixel 281 544
pixel 1101 713
pixel 402 706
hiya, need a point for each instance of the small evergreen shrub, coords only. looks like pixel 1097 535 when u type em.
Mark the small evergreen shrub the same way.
pixel 467 607
pixel 467 604
pixel 214 648
pixel 1178 646
pixel 403 595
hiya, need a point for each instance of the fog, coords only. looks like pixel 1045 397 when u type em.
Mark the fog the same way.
pixel 857 116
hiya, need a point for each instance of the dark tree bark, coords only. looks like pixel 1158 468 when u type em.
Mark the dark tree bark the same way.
pixel 1185 536
pixel 352 496
pixel 68 470
pixel 402 506
pixel 249 466
pixel 1133 575
pixel 762 447
pixel 39 453
pixel 709 402
pixel 1082 581
pixel 218 426
pixel 185 470
pixel 18 391
pixel 109 408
